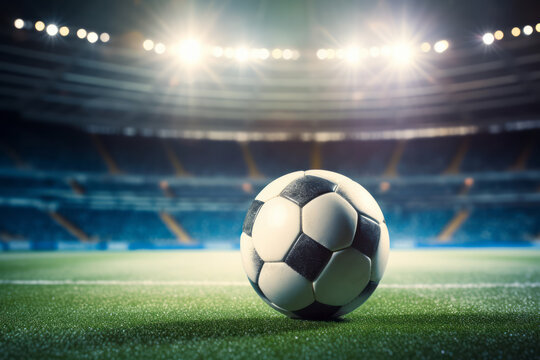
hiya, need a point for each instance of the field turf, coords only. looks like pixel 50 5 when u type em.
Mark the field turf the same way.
pixel 431 304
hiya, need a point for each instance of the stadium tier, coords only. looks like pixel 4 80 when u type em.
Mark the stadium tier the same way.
pixel 144 191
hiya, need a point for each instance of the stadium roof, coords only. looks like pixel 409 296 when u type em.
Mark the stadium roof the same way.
pixel 120 87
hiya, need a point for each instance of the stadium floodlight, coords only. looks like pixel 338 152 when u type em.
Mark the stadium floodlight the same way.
pixel 264 54
pixel 148 44
pixel 277 54
pixel 217 51
pixel 104 37
pixel 488 38
pixel 322 54
pixel 516 31
pixel 241 54
pixel 425 47
pixel 402 54
pixel 374 51
pixel 441 46
pixel 340 54
pixel 39 25
pixel 64 31
pixel 81 33
pixel 499 35
pixel 52 29
pixel 537 27
pixel 92 37
pixel 287 54
pixel 160 48
pixel 527 30
pixel 18 23
pixel 331 54
pixel 190 51
pixel 386 51
pixel 352 54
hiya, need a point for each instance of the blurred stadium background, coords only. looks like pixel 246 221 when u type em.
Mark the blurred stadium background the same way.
pixel 152 124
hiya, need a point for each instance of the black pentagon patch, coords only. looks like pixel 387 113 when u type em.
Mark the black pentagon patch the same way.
pixel 257 261
pixel 366 293
pixel 366 237
pixel 307 257
pixel 251 215
pixel 305 189
pixel 317 311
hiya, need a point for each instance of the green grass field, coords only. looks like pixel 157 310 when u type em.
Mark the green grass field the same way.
pixel 431 304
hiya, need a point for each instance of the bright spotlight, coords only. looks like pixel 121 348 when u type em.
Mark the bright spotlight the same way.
pixel 40 25
pixel 92 37
pixel 374 51
pixel 148 44
pixel 81 33
pixel 352 54
pixel 386 51
pixel 18 23
pixel 264 54
pixel 331 54
pixel 287 54
pixel 516 32
pixel 402 54
pixel 488 38
pixel 340 54
pixel 537 27
pixel 499 35
pixel 217 51
pixel 229 53
pixel 104 37
pixel 425 47
pixel 441 46
pixel 277 54
pixel 241 54
pixel 160 48
pixel 528 30
pixel 52 29
pixel 64 31
pixel 190 51
pixel 322 54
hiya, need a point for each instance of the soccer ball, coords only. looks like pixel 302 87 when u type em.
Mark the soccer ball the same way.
pixel 314 244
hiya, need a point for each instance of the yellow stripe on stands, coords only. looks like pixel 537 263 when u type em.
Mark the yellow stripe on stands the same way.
pixel 316 157
pixel 14 156
pixel 455 164
pixel 174 160
pixel 173 225
pixel 453 225
pixel 69 226
pixel 391 169
pixel 250 161
pixel 109 161
pixel 76 187
pixel 524 156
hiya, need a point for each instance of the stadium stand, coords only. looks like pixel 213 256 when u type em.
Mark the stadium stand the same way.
pixel 212 226
pixel 53 148
pixel 138 155
pixel 31 224
pixel 205 185
pixel 210 158
pixel 509 225
pixel 492 152
pixel 427 156
pixel 274 160
pixel 119 225
pixel 357 158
